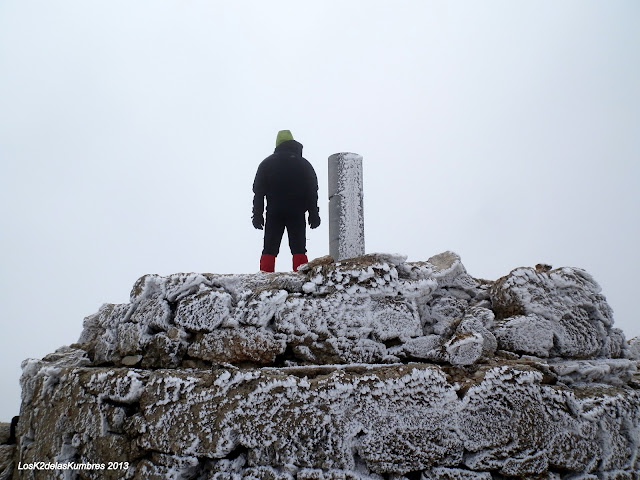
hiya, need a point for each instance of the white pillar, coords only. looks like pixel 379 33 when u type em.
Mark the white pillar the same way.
pixel 346 213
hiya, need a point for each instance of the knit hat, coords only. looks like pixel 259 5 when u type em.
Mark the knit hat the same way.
pixel 283 136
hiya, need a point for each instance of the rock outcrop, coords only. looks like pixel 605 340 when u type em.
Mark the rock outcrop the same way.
pixel 7 451
pixel 367 368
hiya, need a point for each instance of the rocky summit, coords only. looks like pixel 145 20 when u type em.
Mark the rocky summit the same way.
pixel 368 368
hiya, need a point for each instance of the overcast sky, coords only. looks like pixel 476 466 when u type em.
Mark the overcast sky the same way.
pixel 130 132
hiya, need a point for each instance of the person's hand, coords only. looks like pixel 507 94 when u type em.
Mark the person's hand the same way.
pixel 314 219
pixel 258 221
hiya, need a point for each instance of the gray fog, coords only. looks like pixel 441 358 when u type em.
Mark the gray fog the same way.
pixel 130 133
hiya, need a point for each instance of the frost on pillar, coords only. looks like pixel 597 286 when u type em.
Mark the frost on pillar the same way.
pixel 346 213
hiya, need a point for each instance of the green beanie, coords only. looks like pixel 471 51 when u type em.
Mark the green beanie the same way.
pixel 283 136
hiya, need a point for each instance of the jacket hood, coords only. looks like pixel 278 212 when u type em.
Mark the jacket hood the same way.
pixel 291 146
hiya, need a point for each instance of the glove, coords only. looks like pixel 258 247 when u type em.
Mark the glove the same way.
pixel 258 221
pixel 314 219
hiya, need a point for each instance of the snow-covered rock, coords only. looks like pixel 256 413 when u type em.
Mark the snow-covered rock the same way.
pixel 634 348
pixel 371 367
pixel 565 303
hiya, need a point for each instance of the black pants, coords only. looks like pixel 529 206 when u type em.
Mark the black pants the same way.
pixel 277 221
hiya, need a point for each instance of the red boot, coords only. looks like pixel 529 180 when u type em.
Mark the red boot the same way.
pixel 267 263
pixel 299 259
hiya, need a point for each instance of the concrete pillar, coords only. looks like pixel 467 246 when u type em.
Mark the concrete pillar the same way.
pixel 346 214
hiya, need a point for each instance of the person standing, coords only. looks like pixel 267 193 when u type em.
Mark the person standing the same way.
pixel 290 185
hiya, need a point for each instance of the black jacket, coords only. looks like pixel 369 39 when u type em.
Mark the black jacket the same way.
pixel 287 180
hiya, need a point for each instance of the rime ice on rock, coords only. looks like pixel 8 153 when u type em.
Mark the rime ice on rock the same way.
pixel 377 420
pixel 376 308
pixel 367 368
pixel 346 213
pixel 556 313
